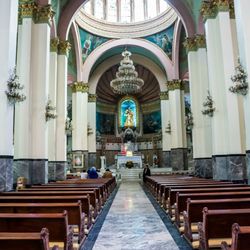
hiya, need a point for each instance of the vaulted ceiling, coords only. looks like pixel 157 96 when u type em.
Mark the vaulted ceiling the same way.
pixel 150 90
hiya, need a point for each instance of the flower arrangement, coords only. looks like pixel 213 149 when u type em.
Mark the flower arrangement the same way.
pixel 68 125
pixel 50 111
pixel 189 121
pixel 208 105
pixel 14 87
pixel 129 164
pixel 168 128
pixel 239 80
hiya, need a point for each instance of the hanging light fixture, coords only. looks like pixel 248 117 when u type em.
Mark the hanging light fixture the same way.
pixel 127 80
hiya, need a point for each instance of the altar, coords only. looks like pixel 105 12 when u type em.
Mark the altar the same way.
pixel 123 159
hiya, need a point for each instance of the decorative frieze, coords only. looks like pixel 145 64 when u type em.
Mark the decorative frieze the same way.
pixel 164 95
pixel 92 98
pixel 54 44
pixel 175 84
pixel 43 14
pixel 80 87
pixel 64 47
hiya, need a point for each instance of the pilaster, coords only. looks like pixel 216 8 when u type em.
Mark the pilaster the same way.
pixel 226 121
pixel 8 28
pixel 201 132
pixel 166 135
pixel 177 125
pixel 80 122
pixel 243 34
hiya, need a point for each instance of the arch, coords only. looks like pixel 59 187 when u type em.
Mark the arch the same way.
pixel 72 7
pixel 139 59
pixel 94 55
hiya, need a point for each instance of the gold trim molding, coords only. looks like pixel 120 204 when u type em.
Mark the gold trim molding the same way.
pixel 43 14
pixel 54 44
pixel 92 98
pixel 164 95
pixel 25 10
pixel 209 10
pixel 80 87
pixel 195 43
pixel 64 47
pixel 175 84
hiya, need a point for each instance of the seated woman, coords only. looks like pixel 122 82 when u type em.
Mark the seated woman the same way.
pixel 92 173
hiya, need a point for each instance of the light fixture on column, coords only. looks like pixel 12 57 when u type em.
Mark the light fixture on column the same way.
pixel 127 80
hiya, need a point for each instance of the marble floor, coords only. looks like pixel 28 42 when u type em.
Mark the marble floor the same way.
pixel 133 223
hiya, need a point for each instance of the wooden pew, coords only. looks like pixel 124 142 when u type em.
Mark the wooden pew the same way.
pixel 181 200
pixel 100 199
pixel 193 213
pixel 240 238
pixel 93 205
pixel 57 224
pixel 75 215
pixel 53 199
pixel 172 192
pixel 26 241
pixel 167 188
pixel 216 226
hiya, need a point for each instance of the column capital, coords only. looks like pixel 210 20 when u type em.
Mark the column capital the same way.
pixel 64 47
pixel 175 84
pixel 43 14
pixel 25 10
pixel 190 44
pixel 92 98
pixel 80 87
pixel 164 95
pixel 200 41
pixel 54 44
pixel 210 10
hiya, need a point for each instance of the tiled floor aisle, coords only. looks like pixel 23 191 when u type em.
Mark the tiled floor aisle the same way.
pixel 133 223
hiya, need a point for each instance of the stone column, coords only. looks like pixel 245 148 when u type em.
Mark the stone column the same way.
pixel 61 108
pixel 178 156
pixel 80 119
pixel 243 32
pixel 31 146
pixel 52 96
pixel 91 130
pixel 228 146
pixel 166 134
pixel 8 32
pixel 199 84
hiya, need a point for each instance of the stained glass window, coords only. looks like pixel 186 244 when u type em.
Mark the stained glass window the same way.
pixel 128 113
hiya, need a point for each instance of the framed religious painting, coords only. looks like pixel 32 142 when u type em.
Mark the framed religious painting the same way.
pixel 78 160
pixel 128 111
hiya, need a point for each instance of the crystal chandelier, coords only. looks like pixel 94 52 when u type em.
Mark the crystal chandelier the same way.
pixel 126 81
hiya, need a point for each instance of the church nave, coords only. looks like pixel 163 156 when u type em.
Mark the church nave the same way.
pixel 133 223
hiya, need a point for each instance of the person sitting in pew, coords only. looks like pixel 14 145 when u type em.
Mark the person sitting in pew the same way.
pixel 107 174
pixel 92 173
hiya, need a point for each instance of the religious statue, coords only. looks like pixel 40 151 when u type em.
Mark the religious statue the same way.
pixel 129 118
